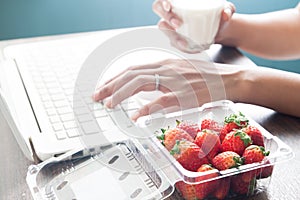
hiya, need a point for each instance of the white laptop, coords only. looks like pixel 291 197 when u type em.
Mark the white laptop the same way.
pixel 37 83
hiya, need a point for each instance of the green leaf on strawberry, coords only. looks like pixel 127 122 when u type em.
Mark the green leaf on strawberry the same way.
pixel 239 119
pixel 244 137
pixel 175 149
pixel 238 161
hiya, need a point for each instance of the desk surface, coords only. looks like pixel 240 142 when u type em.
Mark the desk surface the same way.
pixel 285 180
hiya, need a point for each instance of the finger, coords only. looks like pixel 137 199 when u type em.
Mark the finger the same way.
pixel 163 25
pixel 132 87
pixel 228 11
pixel 163 9
pixel 178 41
pixel 135 73
pixel 136 67
pixel 102 92
pixel 106 89
pixel 166 6
pixel 165 101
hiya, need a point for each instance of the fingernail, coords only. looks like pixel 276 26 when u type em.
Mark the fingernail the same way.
pixel 175 23
pixel 135 116
pixel 108 104
pixel 166 6
pixel 94 97
pixel 228 12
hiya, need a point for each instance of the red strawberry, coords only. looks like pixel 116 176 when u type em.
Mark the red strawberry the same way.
pixel 209 142
pixel 170 136
pixel 255 135
pixel 206 188
pixel 227 160
pixel 189 126
pixel 231 122
pixel 187 191
pixel 236 141
pixel 253 154
pixel 266 171
pixel 241 187
pixel 210 125
pixel 223 188
pixel 189 155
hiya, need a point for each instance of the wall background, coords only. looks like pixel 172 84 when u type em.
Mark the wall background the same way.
pixel 29 18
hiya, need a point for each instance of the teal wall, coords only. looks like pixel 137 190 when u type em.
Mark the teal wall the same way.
pixel 29 18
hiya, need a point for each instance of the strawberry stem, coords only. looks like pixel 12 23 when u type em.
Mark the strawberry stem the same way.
pixel 239 119
pixel 244 137
pixel 175 149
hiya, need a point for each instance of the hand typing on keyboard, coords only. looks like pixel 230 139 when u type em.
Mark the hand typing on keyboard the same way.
pixel 183 83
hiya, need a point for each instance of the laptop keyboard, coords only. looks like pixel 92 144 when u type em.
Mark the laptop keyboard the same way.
pixel 54 81
pixel 57 98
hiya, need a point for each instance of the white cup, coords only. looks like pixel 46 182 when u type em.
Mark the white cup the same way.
pixel 201 19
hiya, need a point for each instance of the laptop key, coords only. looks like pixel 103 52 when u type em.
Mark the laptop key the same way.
pixel 45 98
pixel 61 103
pixel 73 133
pixel 90 127
pixel 64 110
pixel 51 112
pixel 56 97
pixel 121 119
pixel 67 117
pixel 57 127
pixel 100 113
pixel 70 124
pixel 48 104
pixel 60 135
pixel 81 110
pixel 84 118
pixel 106 123
pixel 54 119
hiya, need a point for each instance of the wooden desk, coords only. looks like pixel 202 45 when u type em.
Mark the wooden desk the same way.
pixel 285 180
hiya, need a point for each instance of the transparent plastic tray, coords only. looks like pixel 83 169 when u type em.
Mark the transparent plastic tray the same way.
pixel 138 168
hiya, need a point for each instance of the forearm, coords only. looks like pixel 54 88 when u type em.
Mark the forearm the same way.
pixel 274 35
pixel 271 88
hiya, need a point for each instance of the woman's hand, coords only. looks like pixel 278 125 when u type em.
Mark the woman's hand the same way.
pixel 184 84
pixel 170 22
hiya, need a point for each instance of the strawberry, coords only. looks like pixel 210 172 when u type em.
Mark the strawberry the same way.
pixel 187 191
pixel 253 154
pixel 209 142
pixel 169 137
pixel 236 141
pixel 239 186
pixel 231 122
pixel 210 125
pixel 189 126
pixel 265 172
pixel 223 188
pixel 189 155
pixel 227 160
pixel 206 188
pixel 255 135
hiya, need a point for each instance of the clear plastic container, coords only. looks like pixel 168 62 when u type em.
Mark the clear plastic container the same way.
pixel 139 168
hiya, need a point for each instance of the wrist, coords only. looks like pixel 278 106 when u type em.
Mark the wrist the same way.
pixel 228 34
pixel 238 83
